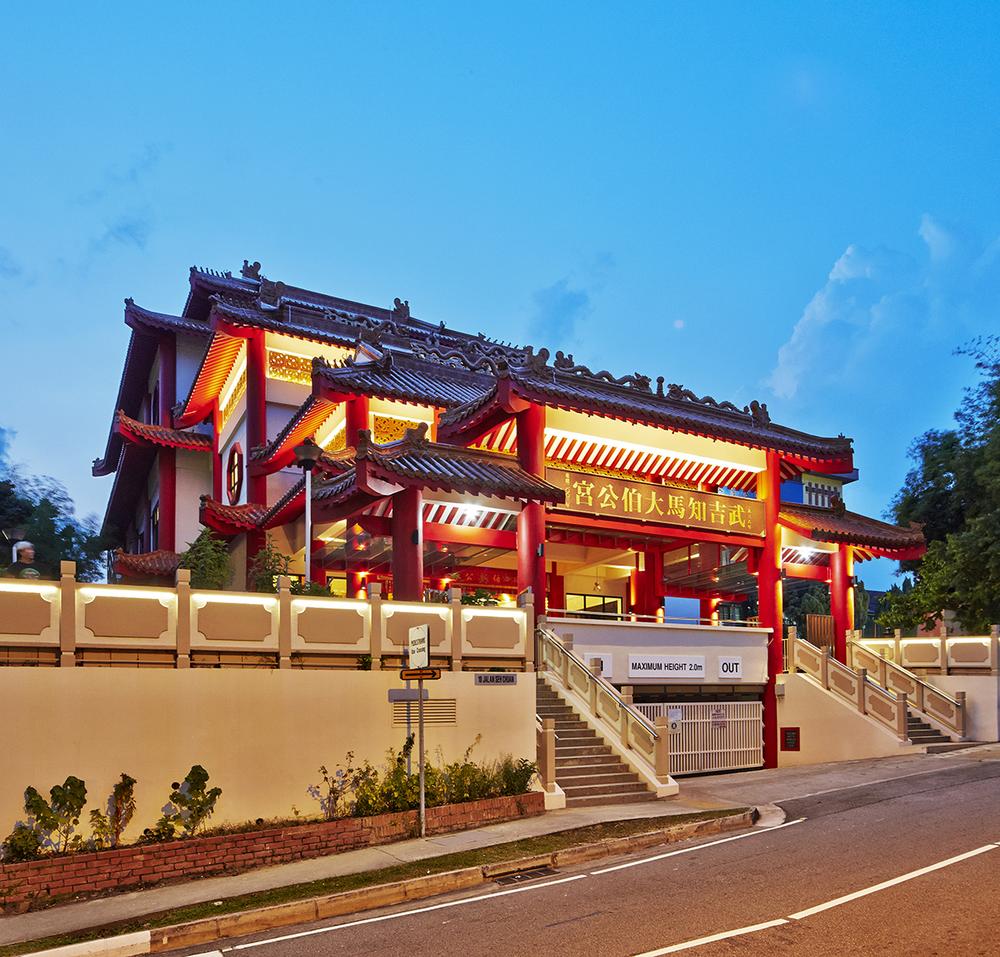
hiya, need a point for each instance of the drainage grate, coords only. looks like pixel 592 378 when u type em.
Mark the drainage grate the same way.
pixel 521 876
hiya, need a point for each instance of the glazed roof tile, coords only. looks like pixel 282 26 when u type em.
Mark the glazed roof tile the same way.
pixel 415 461
pixel 158 564
pixel 838 525
pixel 144 432
pixel 633 399
pixel 229 519
pixel 403 377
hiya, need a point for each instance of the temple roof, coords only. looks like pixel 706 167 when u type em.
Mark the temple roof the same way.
pixel 158 564
pixel 569 386
pixel 145 433
pixel 138 318
pixel 415 462
pixel 230 519
pixel 403 377
pixel 838 525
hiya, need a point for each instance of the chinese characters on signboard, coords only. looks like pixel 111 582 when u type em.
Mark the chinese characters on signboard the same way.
pixel 623 498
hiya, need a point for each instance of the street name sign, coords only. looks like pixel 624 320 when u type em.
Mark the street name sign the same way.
pixel 497 678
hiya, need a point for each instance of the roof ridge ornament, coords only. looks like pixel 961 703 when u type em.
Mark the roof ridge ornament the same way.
pixel 250 270
pixel 837 505
pixel 416 436
pixel 400 308
pixel 270 293
pixel 565 362
pixel 364 444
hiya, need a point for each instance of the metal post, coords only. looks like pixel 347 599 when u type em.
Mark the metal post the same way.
pixel 420 756
pixel 309 513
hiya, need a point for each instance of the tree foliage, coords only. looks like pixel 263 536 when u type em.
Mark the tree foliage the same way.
pixel 208 559
pixel 42 511
pixel 954 491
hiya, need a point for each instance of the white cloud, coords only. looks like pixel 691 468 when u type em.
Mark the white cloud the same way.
pixel 883 315
pixel 678 323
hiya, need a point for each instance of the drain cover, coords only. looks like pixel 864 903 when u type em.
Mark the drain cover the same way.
pixel 521 876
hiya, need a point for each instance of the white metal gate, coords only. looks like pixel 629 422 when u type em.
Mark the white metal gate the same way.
pixel 713 736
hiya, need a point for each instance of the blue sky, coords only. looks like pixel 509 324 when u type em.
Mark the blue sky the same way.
pixel 792 202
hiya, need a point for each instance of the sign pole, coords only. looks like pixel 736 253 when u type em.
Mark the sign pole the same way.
pixel 420 755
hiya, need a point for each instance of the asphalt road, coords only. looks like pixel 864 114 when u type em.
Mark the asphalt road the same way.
pixel 832 845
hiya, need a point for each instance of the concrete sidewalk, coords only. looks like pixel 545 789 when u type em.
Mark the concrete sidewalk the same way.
pixel 68 918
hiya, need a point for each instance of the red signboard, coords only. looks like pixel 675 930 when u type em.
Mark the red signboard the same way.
pixel 609 497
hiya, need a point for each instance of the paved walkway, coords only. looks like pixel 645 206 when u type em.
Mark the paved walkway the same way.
pixel 95 913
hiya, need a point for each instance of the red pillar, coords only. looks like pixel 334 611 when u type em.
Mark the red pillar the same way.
pixel 355 418
pixel 841 598
pixel 709 610
pixel 531 520
pixel 167 458
pixel 557 589
pixel 256 412
pixel 769 599
pixel 654 581
pixel 408 545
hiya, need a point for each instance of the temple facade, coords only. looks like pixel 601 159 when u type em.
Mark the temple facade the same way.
pixel 451 460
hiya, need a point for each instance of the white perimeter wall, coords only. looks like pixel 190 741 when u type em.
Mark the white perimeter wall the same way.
pixel 261 734
pixel 982 702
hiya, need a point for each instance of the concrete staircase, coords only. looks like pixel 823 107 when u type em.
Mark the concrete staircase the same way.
pixel 586 769
pixel 920 732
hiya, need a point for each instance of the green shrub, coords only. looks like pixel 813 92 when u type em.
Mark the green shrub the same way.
pixel 50 825
pixel 190 805
pixel 208 558
pixel 108 826
pixel 266 566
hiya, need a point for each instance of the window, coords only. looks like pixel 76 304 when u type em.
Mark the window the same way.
pixel 234 473
pixel 601 604
pixel 154 527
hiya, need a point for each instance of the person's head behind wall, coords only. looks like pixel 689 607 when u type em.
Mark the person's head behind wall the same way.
pixel 24 552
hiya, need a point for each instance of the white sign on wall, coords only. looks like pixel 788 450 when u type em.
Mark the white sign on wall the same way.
pixel 666 666
pixel 604 659
pixel 730 669
pixel 674 716
pixel 418 652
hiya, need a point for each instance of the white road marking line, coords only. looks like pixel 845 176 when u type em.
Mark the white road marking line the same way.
pixel 819 908
pixel 725 935
pixel 408 913
pixel 847 898
pixel 697 847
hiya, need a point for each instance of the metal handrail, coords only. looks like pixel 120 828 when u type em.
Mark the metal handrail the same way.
pixel 909 674
pixel 607 686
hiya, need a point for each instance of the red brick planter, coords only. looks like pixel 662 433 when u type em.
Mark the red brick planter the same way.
pixel 36 883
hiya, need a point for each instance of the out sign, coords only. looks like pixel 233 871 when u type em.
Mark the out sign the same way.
pixel 730 669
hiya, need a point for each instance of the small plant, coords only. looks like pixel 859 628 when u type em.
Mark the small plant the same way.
pixel 309 588
pixel 24 843
pixel 208 558
pixel 364 662
pixel 191 804
pixel 50 825
pixel 108 826
pixel 266 566
pixel 332 792
pixel 480 596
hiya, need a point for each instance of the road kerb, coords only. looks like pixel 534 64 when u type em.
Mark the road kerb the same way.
pixel 242 923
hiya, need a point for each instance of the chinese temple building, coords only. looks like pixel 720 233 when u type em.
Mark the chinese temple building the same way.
pixel 453 460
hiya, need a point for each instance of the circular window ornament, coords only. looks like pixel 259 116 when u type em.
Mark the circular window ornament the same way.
pixel 234 473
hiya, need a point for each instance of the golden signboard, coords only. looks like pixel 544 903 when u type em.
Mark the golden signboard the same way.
pixel 608 497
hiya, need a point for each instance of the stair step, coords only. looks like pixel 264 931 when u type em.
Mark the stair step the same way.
pixel 579 750
pixel 620 798
pixel 950 746
pixel 573 781
pixel 592 790
pixel 603 761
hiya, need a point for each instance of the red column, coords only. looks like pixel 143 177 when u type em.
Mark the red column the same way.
pixel 709 610
pixel 531 520
pixel 355 418
pixel 654 581
pixel 167 458
pixel 841 598
pixel 408 545
pixel 769 600
pixel 256 412
pixel 557 589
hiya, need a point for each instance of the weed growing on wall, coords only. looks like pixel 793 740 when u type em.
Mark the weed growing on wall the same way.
pixel 50 825
pixel 109 825
pixel 208 558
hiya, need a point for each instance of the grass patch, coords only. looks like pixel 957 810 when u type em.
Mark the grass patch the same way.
pixel 542 844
